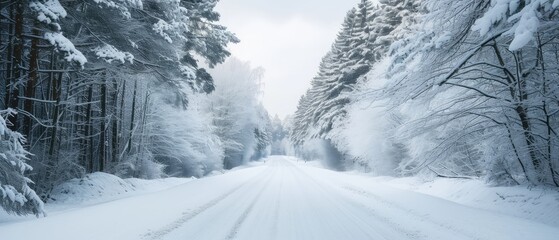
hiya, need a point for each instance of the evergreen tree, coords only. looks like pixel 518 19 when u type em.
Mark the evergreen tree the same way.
pixel 365 37
pixel 16 196
pixel 279 136
pixel 83 75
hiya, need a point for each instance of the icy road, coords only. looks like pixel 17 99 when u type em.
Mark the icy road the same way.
pixel 281 199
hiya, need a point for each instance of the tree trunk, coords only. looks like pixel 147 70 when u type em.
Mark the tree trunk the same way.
pixel 30 88
pixel 547 120
pixel 9 60
pixel 121 116
pixel 103 137
pixel 82 130
pixel 88 130
pixel 133 113
pixel 141 148
pixel 114 119
pixel 56 92
pixel 17 63
pixel 520 97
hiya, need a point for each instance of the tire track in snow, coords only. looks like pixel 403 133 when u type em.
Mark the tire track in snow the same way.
pixel 406 211
pixel 239 222
pixel 275 222
pixel 416 233
pixel 342 201
pixel 409 233
pixel 188 215
pixel 235 229
pixel 334 214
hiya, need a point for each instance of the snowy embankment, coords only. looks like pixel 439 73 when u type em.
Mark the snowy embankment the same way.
pixel 98 188
pixel 535 203
pixel 539 204
pixel 102 187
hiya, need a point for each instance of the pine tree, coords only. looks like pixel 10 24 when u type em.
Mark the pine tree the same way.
pixel 16 196
pixel 365 37
pixel 81 74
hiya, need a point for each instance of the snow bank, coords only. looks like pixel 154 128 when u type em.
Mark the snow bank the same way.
pixel 94 189
pixel 103 187
pixel 539 204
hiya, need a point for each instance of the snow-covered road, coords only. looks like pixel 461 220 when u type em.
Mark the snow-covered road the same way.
pixel 280 199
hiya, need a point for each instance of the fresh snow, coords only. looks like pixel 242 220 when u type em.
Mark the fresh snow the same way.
pixel 65 45
pixel 102 187
pixel 48 11
pixel 283 198
pixel 535 203
pixel 109 53
pixel 97 188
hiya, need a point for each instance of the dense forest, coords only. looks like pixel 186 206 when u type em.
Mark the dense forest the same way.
pixel 147 89
pixel 119 86
pixel 457 89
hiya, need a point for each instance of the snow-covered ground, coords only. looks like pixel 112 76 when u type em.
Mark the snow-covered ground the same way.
pixel 539 204
pixel 282 198
pixel 102 187
pixel 94 189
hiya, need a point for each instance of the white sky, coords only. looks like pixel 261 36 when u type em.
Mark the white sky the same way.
pixel 287 38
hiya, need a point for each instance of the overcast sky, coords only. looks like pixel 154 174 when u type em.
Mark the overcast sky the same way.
pixel 287 38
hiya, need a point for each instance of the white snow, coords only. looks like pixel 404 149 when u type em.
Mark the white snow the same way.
pixel 526 21
pixel 48 11
pixel 525 29
pixel 282 198
pixel 95 189
pixel 109 53
pixel 539 204
pixel 65 45
pixel 122 5
pixel 102 187
pixel 161 28
pixel 496 13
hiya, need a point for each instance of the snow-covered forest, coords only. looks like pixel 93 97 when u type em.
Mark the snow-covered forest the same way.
pixel 420 108
pixel 458 89
pixel 120 87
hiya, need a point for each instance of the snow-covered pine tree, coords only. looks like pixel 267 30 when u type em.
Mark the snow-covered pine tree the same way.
pixel 279 135
pixel 364 39
pixel 262 134
pixel 325 88
pixel 80 74
pixel 16 197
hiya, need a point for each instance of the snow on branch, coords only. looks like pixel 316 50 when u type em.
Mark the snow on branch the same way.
pixel 171 29
pixel 15 194
pixel 109 53
pixel 65 45
pixel 121 5
pixel 494 15
pixel 188 71
pixel 525 29
pixel 525 19
pixel 161 28
pixel 48 11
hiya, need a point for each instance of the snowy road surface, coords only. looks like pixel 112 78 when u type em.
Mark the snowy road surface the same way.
pixel 280 199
